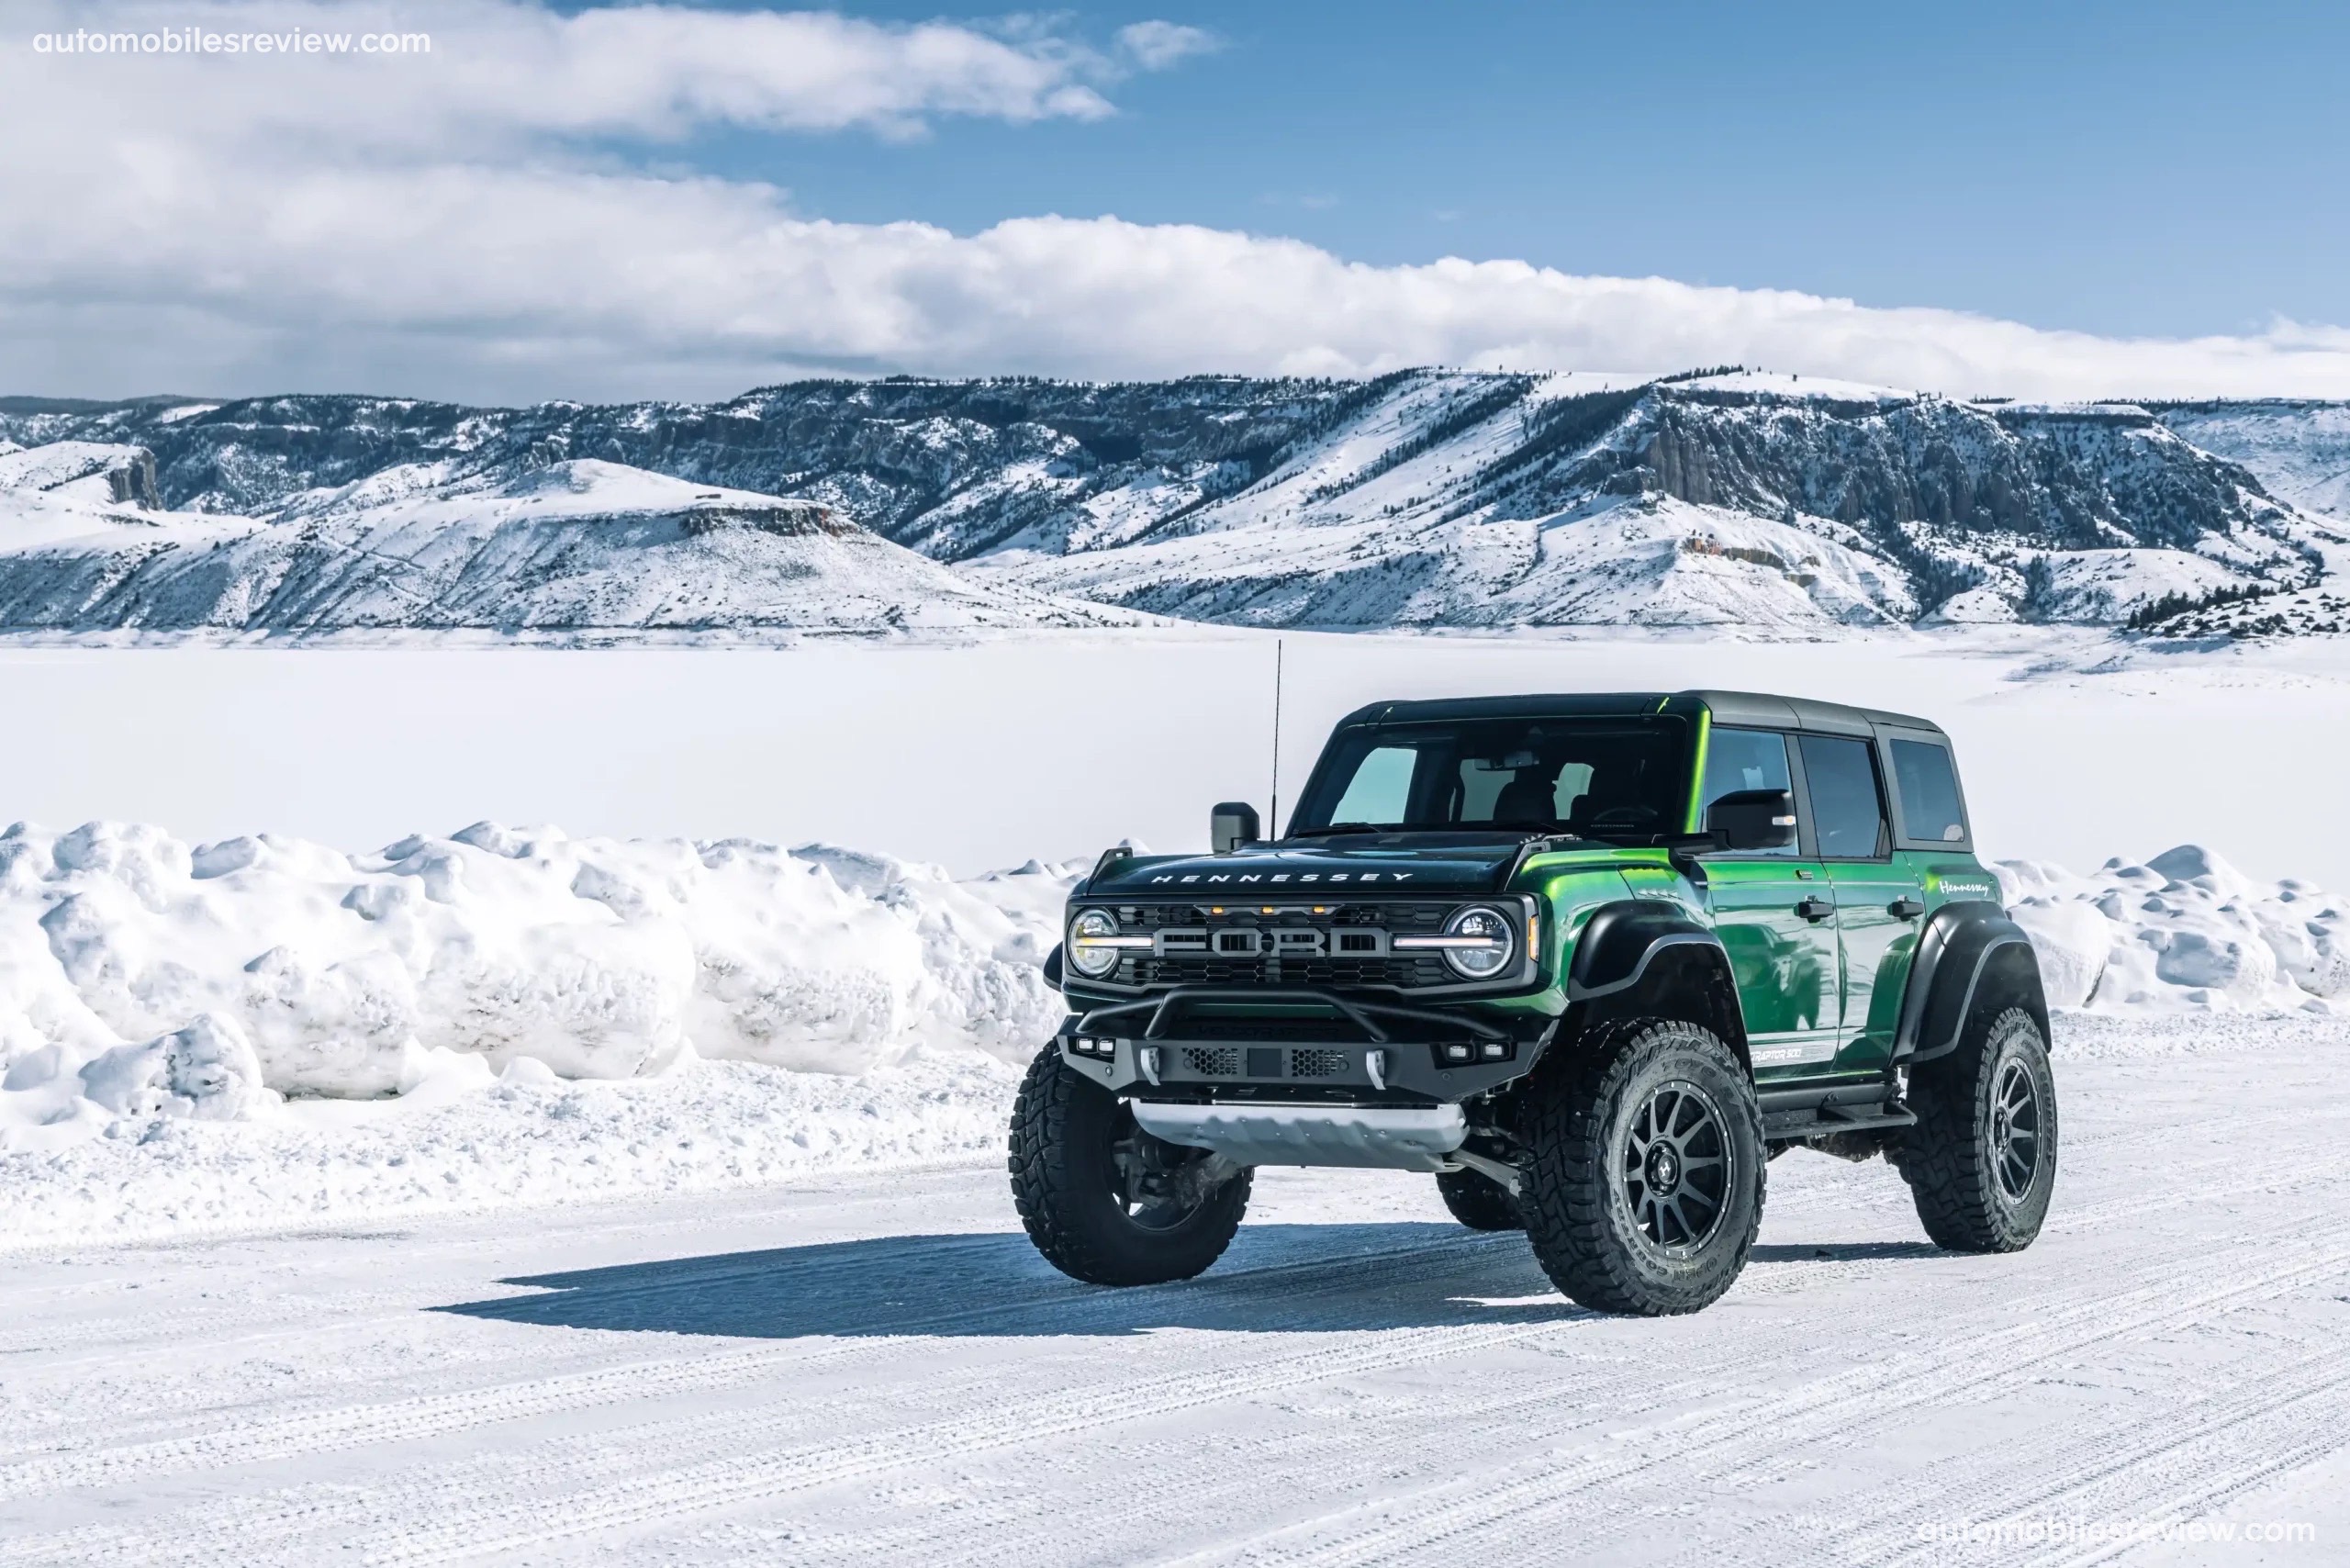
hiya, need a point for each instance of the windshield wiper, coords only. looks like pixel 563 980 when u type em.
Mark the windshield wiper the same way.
pixel 1336 828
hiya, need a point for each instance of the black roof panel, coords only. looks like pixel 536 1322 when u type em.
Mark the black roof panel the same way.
pixel 1726 707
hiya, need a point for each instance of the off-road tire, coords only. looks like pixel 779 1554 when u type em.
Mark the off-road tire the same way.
pixel 1479 1201
pixel 1063 1128
pixel 1952 1159
pixel 1577 1123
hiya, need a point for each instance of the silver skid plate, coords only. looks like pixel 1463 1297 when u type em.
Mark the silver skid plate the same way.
pixel 1388 1137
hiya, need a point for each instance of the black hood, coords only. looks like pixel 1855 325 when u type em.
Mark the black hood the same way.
pixel 1321 867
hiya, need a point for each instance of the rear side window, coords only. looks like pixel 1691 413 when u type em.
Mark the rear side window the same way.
pixel 1745 759
pixel 1846 813
pixel 1928 787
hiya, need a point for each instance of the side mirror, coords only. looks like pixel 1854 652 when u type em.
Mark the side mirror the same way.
pixel 1230 825
pixel 1754 819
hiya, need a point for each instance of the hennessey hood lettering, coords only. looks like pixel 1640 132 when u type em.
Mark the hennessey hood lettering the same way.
pixel 1371 870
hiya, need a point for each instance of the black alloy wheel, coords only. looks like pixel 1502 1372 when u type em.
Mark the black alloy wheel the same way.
pixel 1678 1165
pixel 2015 1129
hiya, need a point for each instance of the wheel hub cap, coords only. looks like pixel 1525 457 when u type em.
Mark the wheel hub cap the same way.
pixel 1147 1177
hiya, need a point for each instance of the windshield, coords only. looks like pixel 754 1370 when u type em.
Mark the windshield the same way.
pixel 1592 778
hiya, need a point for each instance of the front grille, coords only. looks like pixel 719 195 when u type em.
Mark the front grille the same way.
pixel 1401 972
pixel 1213 1061
pixel 1316 1064
pixel 1335 969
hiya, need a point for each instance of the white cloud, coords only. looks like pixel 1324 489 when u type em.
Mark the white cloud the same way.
pixel 458 225
pixel 1155 46
pixel 503 68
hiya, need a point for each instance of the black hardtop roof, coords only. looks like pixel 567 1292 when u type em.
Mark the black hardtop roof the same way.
pixel 1726 707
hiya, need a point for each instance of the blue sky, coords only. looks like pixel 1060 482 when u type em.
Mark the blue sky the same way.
pixel 2162 169
pixel 669 199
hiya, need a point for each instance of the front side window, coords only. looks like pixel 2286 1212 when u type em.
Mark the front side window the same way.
pixel 1928 787
pixel 1592 778
pixel 1739 761
pixel 1846 813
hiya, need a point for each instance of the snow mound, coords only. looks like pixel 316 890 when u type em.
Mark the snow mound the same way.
pixel 465 1138
pixel 2185 932
pixel 147 983
pixel 141 978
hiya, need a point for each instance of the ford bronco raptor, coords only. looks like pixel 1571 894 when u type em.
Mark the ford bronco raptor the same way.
pixel 1590 961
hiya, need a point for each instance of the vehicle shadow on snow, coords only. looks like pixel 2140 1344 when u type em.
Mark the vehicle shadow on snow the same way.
pixel 1844 1251
pixel 1275 1278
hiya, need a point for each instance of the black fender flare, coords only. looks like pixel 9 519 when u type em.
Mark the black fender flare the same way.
pixel 1968 950
pixel 1622 942
pixel 1052 967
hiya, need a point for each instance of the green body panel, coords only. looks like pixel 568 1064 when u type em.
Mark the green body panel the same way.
pixel 1786 967
pixel 1876 949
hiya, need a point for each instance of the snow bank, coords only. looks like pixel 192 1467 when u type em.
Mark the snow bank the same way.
pixel 143 978
pixel 2185 932
pixel 266 1032
pixel 464 1139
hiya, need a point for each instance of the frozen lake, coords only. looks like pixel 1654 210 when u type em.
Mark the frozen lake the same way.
pixel 985 753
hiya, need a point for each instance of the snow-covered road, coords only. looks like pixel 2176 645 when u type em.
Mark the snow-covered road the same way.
pixel 878 1368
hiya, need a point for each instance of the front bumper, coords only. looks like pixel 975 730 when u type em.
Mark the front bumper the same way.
pixel 1211 1045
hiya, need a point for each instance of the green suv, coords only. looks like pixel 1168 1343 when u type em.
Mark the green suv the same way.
pixel 1592 961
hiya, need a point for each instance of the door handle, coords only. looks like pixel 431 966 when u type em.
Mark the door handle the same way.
pixel 1815 909
pixel 1905 908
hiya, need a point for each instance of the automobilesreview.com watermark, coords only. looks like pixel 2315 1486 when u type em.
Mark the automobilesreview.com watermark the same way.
pixel 202 41
pixel 2054 1531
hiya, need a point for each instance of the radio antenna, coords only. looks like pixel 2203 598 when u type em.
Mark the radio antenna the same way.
pixel 1273 820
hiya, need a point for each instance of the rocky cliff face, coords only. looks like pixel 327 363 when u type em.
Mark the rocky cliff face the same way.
pixel 87 472
pixel 1418 498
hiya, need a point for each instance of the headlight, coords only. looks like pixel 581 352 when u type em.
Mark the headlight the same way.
pixel 1094 943
pixel 1481 942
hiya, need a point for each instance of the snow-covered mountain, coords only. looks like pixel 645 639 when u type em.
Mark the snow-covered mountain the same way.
pixel 570 547
pixel 2300 450
pixel 1419 499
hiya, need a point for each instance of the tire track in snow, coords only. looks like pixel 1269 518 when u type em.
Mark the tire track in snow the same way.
pixel 40 1466
pixel 453 1489
pixel 428 1416
pixel 629 1497
pixel 1156 1483
pixel 2147 1464
pixel 292 1514
pixel 1519 1510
